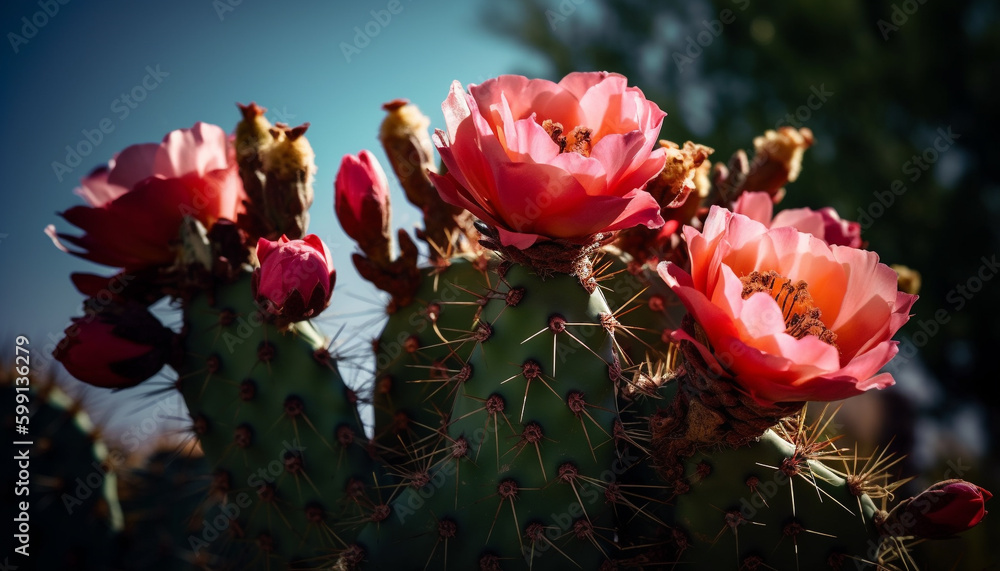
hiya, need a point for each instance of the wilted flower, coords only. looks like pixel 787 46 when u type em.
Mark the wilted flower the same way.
pixel 539 160
pixel 941 511
pixel 288 166
pixel 824 223
pixel 777 160
pixel 788 316
pixel 116 345
pixel 361 201
pixel 295 278
pixel 137 202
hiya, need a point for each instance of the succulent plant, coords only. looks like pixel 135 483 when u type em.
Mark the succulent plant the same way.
pixel 606 370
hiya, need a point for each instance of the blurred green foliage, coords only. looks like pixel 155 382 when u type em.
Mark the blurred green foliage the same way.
pixel 901 96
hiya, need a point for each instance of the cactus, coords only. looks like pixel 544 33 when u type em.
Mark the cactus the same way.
pixel 535 418
pixel 771 504
pixel 74 514
pixel 418 359
pixel 555 403
pixel 164 503
pixel 280 429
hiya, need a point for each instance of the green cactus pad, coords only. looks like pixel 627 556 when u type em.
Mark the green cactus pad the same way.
pixel 419 359
pixel 280 429
pixel 768 505
pixel 520 479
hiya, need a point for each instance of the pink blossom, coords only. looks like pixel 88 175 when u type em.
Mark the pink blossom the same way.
pixel 788 316
pixel 824 223
pixel 138 201
pixel 541 160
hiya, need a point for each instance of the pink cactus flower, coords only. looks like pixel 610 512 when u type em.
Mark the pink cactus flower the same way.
pixel 824 223
pixel 296 277
pixel 540 160
pixel 138 201
pixel 788 316
pixel 116 345
pixel 361 199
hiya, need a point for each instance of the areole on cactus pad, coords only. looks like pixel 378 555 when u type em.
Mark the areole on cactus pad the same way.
pixel 566 382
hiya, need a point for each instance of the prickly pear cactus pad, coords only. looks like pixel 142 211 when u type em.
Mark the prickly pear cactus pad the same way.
pixel 533 424
pixel 419 367
pixel 288 452
pixel 771 504
pixel 593 355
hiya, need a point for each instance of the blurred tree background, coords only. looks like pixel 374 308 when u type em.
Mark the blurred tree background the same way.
pixel 901 98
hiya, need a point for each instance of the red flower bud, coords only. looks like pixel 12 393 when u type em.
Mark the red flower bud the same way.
pixel 295 278
pixel 116 345
pixel 940 511
pixel 361 201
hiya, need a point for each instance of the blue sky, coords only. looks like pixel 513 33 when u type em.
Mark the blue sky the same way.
pixel 71 68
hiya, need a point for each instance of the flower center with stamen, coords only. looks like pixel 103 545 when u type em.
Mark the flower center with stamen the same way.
pixel 801 316
pixel 576 141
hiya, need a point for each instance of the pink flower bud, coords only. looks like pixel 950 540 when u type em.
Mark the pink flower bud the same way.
pixel 940 511
pixel 295 278
pixel 116 345
pixel 361 201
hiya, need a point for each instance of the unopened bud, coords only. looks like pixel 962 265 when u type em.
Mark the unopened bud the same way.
pixel 252 138
pixel 361 202
pixel 405 137
pixel 296 277
pixel 941 511
pixel 116 345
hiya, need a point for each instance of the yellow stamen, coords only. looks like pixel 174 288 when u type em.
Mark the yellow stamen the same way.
pixel 801 316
